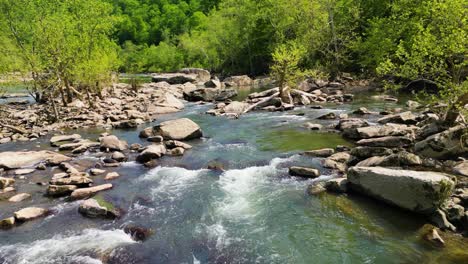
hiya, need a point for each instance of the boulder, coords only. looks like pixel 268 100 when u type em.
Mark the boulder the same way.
pixel 213 83
pixel 174 78
pixel 111 176
pixel 461 168
pixel 313 126
pixel 388 142
pixel 364 152
pixel 30 213
pixel 179 129
pixel 112 143
pixel 96 171
pixel 60 190
pixel 399 159
pixel 338 185
pixel 74 180
pixel 155 139
pixel 210 94
pixel 169 100
pixel 384 131
pixel 202 74
pixel 418 191
pixel 154 151
pixel 87 192
pixel 401 118
pixel 449 143
pixel 236 107
pixel 24 171
pixel 327 116
pixel 316 188
pixel 118 156
pixel 326 152
pixel 238 81
pixel 93 208
pixel 15 160
pixel 170 144
pixel 362 111
pixel 349 127
pixel 7 223
pixel 19 197
pixel 146 133
pixel 176 151
pixel 61 138
pixel 5 182
pixel 304 172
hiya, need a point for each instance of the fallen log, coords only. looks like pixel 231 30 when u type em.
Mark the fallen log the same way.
pixel 250 108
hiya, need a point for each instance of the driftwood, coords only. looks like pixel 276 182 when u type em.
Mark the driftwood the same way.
pixel 14 129
pixel 250 108
pixel 304 93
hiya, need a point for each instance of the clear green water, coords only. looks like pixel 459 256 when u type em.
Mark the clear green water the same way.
pixel 253 212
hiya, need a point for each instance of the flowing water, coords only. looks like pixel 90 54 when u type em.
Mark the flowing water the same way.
pixel 253 212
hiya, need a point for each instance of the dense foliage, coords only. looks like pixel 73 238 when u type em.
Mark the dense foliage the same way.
pixel 406 39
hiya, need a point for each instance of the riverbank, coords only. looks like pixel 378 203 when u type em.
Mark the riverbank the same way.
pixel 229 197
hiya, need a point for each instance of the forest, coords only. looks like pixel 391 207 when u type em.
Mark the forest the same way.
pixel 83 41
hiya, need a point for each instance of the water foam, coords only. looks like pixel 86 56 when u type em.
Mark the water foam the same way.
pixel 65 249
pixel 172 181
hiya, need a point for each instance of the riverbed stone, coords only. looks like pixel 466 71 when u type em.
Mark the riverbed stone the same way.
pixel 118 156
pixel 87 192
pixel 19 197
pixel 55 140
pixel 74 180
pixel 210 94
pixel 24 171
pixel 364 152
pixel 60 190
pixel 304 172
pixel 400 118
pixel 323 153
pixel 178 151
pixel 418 191
pixel 338 185
pixel 96 171
pixel 112 143
pixel 399 159
pixel 5 182
pixel 154 151
pixel 236 107
pixel 30 213
pixel 111 176
pixel 461 168
pixel 316 188
pixel 91 208
pixel 349 127
pixel 170 144
pixel 448 143
pixel 384 130
pixel 179 129
pixel 388 142
pixel 328 116
pixel 16 160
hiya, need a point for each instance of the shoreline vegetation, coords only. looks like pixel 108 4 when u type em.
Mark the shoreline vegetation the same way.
pixel 59 68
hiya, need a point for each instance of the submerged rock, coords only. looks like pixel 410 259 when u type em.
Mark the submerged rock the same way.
pixel 138 233
pixel 326 152
pixel 7 223
pixel 178 129
pixel 339 185
pixel 61 138
pixel 417 191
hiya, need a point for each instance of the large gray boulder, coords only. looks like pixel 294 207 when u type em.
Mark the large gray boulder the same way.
pixel 112 143
pixel 87 192
pixel 349 127
pixel 238 81
pixel 154 151
pixel 174 78
pixel 209 94
pixel 388 142
pixel 418 191
pixel 202 74
pixel 55 140
pixel 401 118
pixel 449 143
pixel 236 107
pixel 16 160
pixel 178 129
pixel 384 131
pixel 93 208
pixel 30 213
pixel 399 159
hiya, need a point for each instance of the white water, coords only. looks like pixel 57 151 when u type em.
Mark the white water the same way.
pixel 65 249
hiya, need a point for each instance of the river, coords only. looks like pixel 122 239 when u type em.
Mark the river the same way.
pixel 253 212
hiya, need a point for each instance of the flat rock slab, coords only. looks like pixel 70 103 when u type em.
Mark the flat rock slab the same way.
pixel 19 197
pixel 87 192
pixel 418 191
pixel 61 138
pixel 174 78
pixel 30 213
pixel 15 160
